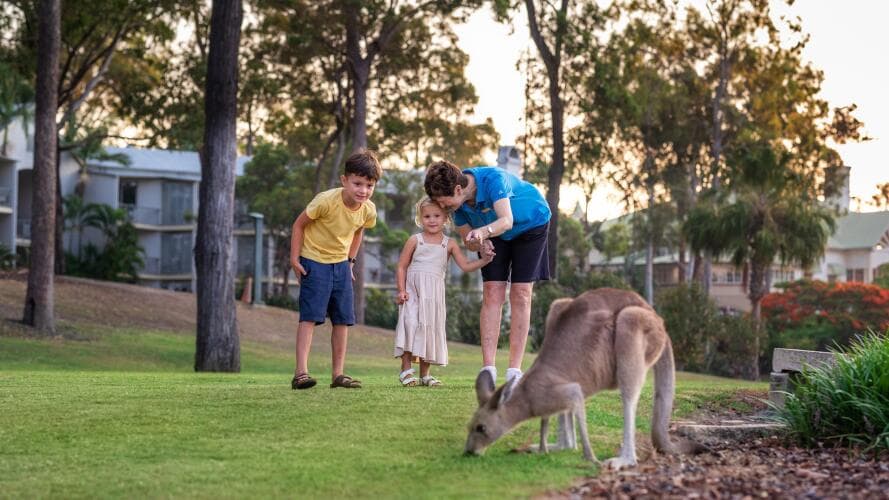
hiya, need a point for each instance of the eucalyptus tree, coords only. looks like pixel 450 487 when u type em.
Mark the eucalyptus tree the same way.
pixel 217 343
pixel 38 310
pixel 550 27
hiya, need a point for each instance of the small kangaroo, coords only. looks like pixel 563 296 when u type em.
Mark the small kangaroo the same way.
pixel 602 339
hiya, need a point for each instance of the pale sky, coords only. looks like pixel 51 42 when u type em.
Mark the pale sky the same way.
pixel 848 42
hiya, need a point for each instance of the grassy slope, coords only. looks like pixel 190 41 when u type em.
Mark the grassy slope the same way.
pixel 118 412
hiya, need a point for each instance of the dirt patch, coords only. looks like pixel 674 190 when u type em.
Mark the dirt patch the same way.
pixel 767 467
pixel 121 305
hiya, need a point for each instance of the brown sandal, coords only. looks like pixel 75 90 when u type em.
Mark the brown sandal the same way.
pixel 302 381
pixel 346 381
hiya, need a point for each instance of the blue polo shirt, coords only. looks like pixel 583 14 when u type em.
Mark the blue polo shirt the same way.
pixel 529 208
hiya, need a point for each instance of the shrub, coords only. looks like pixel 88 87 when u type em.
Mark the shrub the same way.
pixel 380 308
pixel 463 312
pixel 730 348
pixel 815 314
pixel 7 258
pixel 692 320
pixel 282 301
pixel 846 404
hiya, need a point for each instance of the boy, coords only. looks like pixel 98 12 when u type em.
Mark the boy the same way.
pixel 325 240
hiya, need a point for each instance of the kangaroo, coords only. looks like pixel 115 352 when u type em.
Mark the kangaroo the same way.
pixel 603 339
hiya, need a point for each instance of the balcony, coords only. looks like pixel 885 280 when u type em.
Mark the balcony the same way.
pixel 5 196
pixel 161 267
pixel 152 265
pixel 144 215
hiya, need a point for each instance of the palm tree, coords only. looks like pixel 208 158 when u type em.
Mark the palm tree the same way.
pixel 766 216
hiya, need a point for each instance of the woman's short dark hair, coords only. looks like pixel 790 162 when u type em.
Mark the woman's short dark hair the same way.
pixel 364 163
pixel 441 179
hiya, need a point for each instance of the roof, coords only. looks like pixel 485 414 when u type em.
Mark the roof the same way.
pixel 161 161
pixel 859 230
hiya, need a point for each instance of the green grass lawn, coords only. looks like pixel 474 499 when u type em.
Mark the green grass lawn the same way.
pixel 119 413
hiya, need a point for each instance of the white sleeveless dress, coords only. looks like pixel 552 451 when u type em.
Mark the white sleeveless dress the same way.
pixel 421 320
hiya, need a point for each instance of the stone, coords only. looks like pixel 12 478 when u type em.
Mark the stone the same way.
pixel 793 360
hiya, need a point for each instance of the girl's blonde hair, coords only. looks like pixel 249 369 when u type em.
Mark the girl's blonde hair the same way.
pixel 425 202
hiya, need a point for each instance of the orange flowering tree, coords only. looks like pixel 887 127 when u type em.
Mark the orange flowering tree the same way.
pixel 818 315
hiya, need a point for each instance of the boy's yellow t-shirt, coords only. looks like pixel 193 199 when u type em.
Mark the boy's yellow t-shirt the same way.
pixel 328 237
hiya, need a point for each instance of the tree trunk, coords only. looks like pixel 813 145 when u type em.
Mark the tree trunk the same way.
pixel 359 68
pixel 755 294
pixel 39 297
pixel 552 62
pixel 218 346
pixel 59 257
pixel 649 247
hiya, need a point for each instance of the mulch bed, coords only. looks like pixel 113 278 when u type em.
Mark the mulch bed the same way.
pixel 761 468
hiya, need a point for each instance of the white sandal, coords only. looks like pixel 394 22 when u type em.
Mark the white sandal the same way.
pixel 430 381
pixel 407 378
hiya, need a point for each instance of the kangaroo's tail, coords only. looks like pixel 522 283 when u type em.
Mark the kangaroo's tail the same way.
pixel 664 390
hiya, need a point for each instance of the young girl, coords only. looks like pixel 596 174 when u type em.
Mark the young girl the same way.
pixel 421 293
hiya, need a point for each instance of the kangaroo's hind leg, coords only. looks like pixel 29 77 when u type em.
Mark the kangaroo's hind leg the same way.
pixel 629 347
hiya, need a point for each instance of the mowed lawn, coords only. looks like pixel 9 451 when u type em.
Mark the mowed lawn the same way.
pixel 116 411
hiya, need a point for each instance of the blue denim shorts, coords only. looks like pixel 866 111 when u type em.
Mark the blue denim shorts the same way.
pixel 326 290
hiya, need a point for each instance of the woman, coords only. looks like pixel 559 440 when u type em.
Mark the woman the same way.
pixel 494 207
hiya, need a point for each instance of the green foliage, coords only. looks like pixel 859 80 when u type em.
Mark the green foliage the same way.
pixel 120 259
pixel 7 258
pixel 882 275
pixel 282 301
pixel 692 320
pixel 381 309
pixel 463 312
pixel 847 404
pixel 732 346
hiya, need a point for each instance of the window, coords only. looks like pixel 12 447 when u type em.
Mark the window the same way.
pixel 176 253
pixel 855 275
pixel 782 275
pixel 177 203
pixel 127 195
pixel 733 276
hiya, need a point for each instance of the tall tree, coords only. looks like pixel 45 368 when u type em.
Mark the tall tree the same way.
pixel 372 30
pixel 218 346
pixel 769 216
pixel 729 28
pixel 39 297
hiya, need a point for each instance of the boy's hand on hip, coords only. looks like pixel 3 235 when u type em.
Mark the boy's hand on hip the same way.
pixel 352 270
pixel 299 270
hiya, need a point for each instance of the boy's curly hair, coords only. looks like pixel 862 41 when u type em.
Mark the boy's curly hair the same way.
pixel 364 162
pixel 441 179
pixel 425 202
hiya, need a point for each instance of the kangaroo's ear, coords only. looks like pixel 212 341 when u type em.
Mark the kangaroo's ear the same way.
pixel 506 393
pixel 484 387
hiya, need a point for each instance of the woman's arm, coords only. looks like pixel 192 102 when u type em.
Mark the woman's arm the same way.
pixel 407 253
pixel 465 264
pixel 503 209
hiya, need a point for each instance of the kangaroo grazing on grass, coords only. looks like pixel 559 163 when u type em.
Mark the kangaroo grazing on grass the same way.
pixel 603 339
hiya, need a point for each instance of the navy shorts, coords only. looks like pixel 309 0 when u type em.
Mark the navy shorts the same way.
pixel 326 290
pixel 522 259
